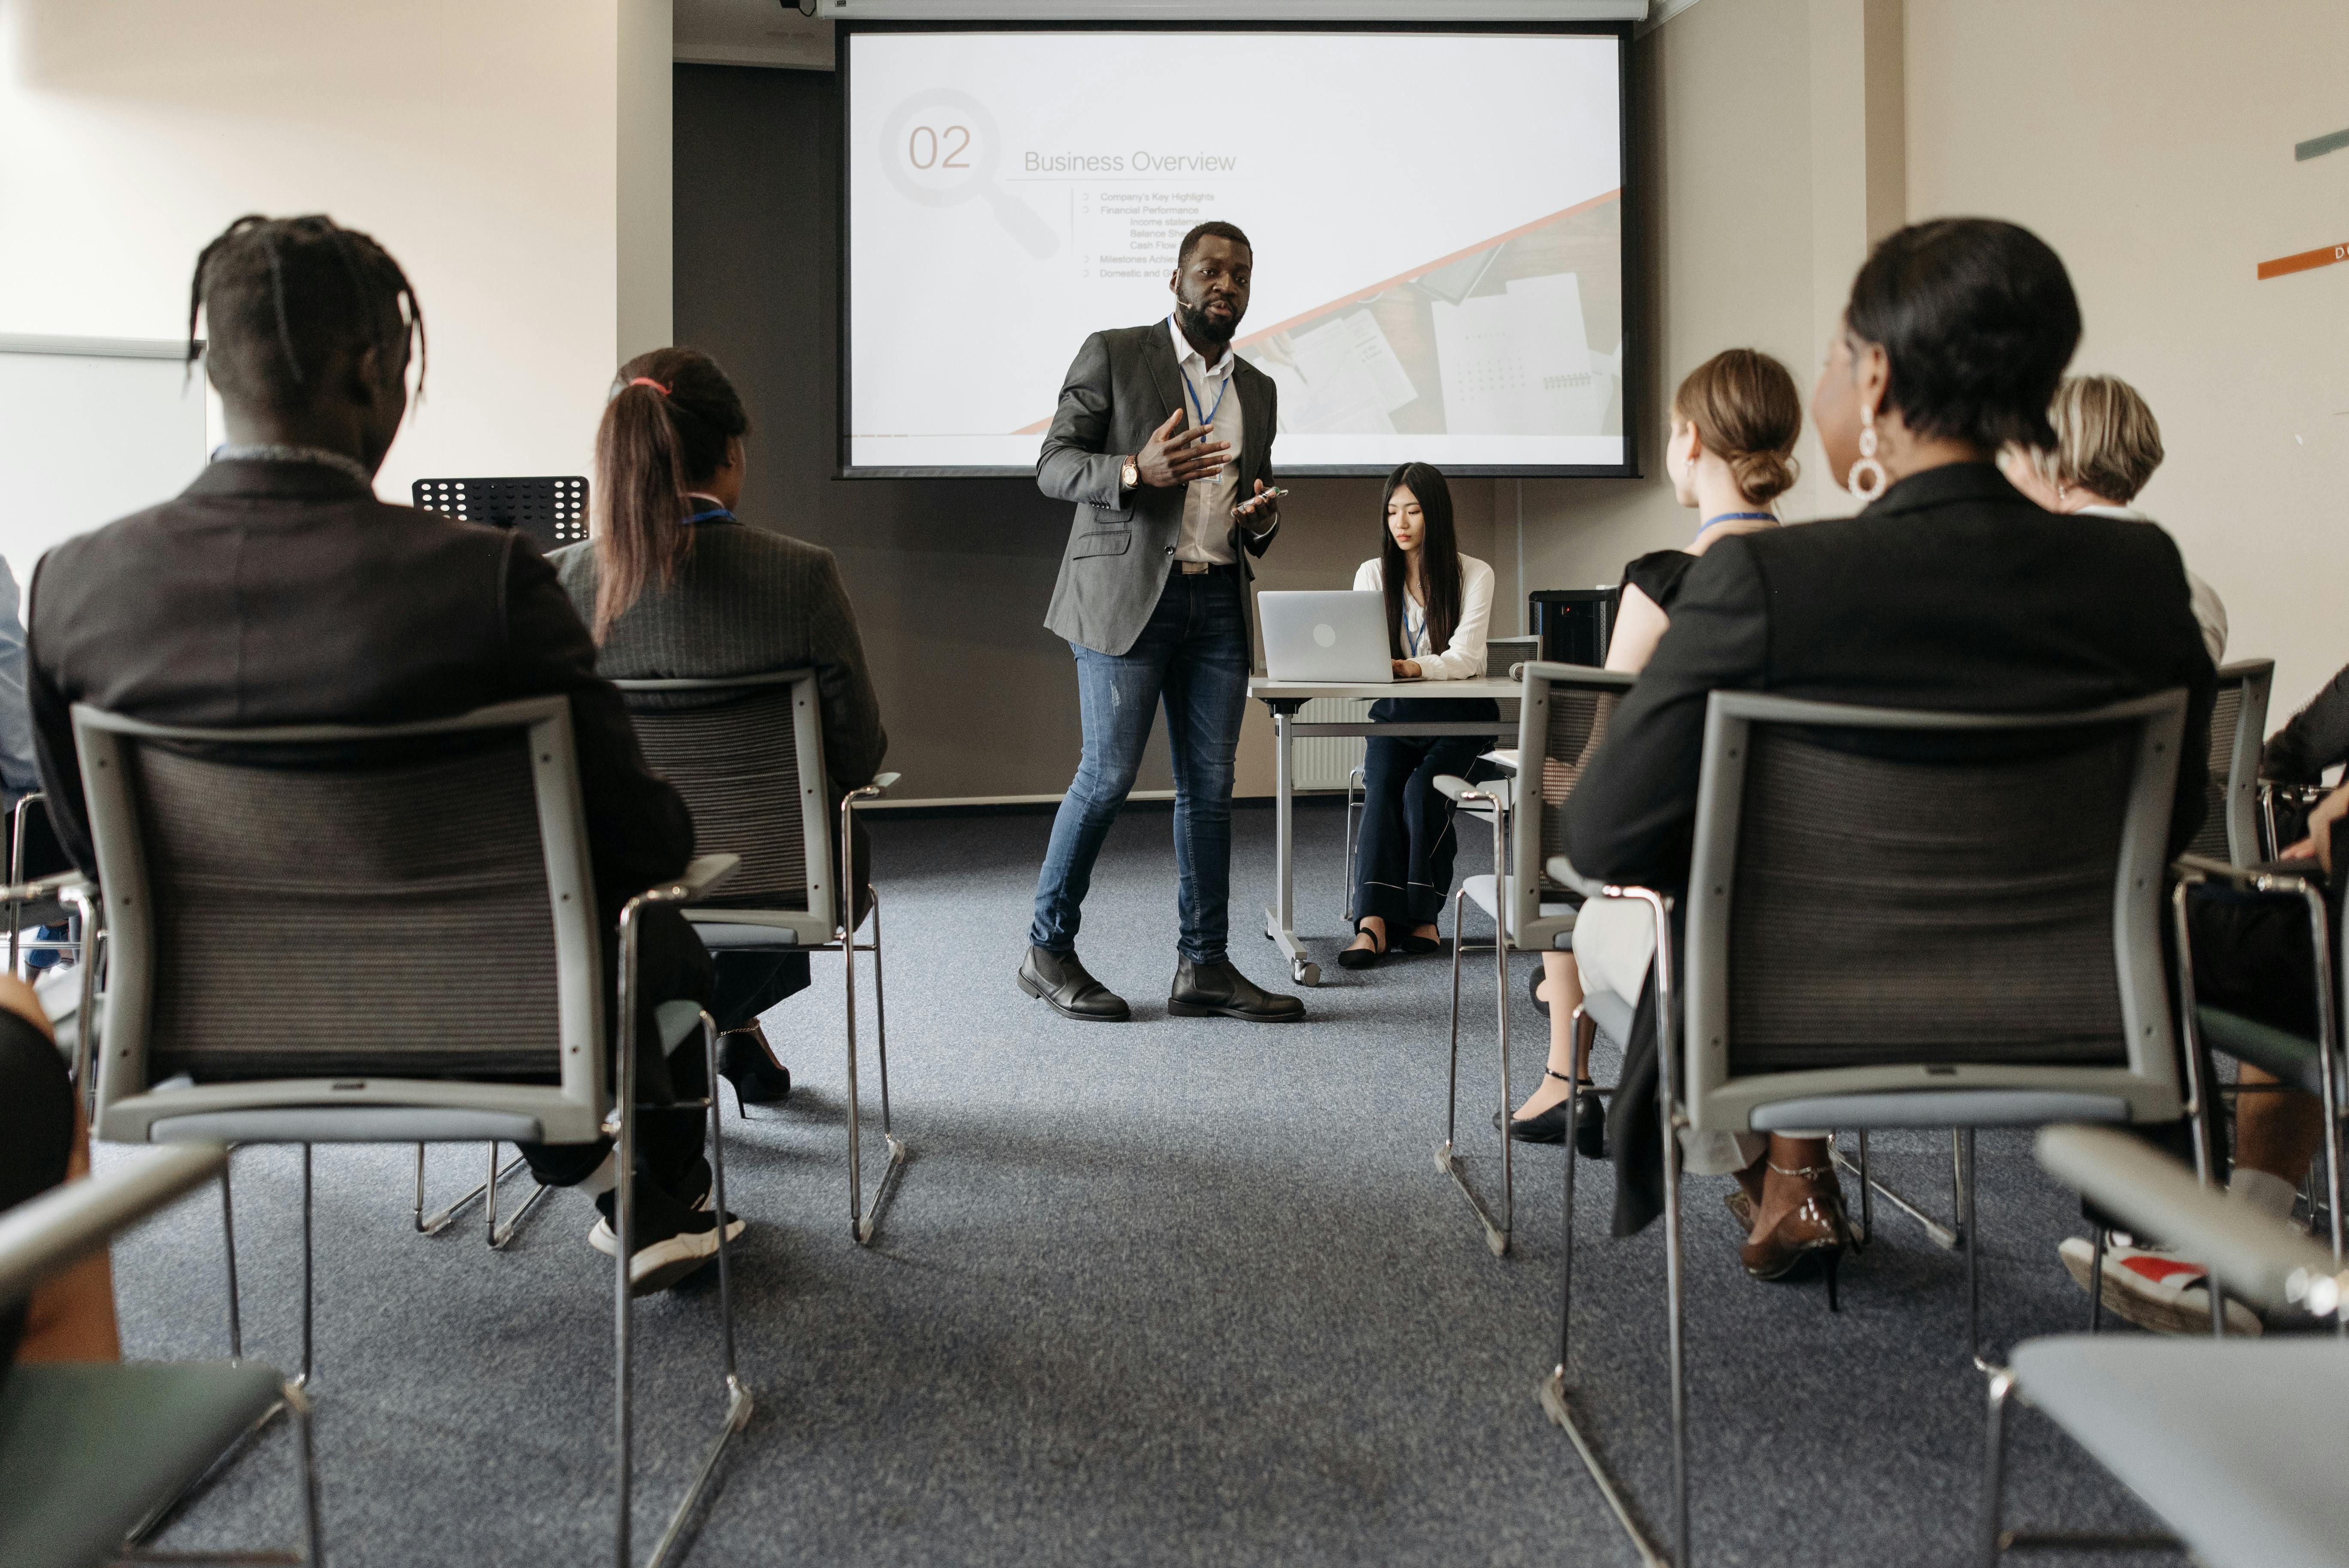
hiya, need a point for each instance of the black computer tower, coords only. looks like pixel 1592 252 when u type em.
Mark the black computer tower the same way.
pixel 1573 624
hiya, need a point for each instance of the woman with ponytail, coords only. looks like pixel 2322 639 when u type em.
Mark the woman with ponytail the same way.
pixel 674 586
pixel 1735 420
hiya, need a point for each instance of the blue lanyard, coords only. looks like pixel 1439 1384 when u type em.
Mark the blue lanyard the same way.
pixel 708 514
pixel 1735 517
pixel 1206 417
pixel 1411 639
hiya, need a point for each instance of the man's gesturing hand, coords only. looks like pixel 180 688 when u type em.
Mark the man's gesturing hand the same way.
pixel 1177 458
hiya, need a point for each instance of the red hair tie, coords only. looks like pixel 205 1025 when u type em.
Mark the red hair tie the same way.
pixel 648 381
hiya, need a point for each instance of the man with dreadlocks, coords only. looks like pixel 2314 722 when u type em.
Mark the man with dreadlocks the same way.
pixel 278 590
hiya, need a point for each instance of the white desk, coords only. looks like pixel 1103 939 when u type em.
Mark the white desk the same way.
pixel 1284 698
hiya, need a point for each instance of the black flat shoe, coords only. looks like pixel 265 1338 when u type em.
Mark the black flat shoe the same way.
pixel 1060 981
pixel 1549 1126
pixel 1533 989
pixel 1361 957
pixel 1419 944
pixel 747 1062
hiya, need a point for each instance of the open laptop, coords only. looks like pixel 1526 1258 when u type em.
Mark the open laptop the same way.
pixel 1324 637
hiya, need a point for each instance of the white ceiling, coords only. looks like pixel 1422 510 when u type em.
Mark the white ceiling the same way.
pixel 751 33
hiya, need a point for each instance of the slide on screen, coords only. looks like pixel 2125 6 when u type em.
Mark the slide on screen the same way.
pixel 1436 221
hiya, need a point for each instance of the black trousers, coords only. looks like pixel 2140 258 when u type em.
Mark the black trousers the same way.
pixel 671 966
pixel 1402 860
pixel 37 1119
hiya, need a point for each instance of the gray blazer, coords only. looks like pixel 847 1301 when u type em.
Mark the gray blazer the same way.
pixel 1124 385
pixel 747 601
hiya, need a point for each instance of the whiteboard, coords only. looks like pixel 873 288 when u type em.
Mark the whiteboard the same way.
pixel 90 429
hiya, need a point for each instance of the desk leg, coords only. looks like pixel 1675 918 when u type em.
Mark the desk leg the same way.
pixel 1280 921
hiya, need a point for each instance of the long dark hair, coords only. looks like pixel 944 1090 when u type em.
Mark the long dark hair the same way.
pixel 1438 558
pixel 672 416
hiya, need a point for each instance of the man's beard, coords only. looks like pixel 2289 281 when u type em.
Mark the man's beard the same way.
pixel 1201 327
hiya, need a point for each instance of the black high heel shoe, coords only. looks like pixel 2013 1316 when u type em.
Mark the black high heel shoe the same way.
pixel 747 1062
pixel 1533 989
pixel 1549 1126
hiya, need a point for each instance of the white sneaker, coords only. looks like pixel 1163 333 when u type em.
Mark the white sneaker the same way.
pixel 2151 1288
pixel 661 1262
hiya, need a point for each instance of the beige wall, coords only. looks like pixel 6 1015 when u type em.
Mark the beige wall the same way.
pixel 1769 158
pixel 479 143
pixel 2151 142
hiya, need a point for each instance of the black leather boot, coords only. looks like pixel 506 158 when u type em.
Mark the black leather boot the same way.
pixel 1205 990
pixel 1060 980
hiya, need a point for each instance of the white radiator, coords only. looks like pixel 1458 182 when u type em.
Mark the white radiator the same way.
pixel 1323 762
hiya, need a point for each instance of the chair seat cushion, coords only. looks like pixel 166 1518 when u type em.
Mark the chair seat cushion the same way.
pixel 87 1452
pixel 1554 928
pixel 2284 1055
pixel 723 935
pixel 2231 1442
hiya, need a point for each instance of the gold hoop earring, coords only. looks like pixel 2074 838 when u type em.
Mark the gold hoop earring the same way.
pixel 1866 479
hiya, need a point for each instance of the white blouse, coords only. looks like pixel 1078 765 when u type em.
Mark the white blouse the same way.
pixel 1465 658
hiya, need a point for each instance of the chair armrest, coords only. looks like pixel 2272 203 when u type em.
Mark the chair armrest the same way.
pixel 47 1233
pixel 2250 879
pixel 1561 870
pixel 1501 792
pixel 2250 1254
pixel 702 876
pixel 883 780
pixel 43 889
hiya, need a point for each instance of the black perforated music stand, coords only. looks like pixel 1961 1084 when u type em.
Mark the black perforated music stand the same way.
pixel 550 510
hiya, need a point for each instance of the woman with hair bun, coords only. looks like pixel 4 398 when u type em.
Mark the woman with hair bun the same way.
pixel 1735 420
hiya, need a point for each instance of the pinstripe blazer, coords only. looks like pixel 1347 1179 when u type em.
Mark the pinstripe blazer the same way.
pixel 747 601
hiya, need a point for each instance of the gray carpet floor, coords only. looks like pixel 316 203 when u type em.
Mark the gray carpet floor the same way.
pixel 1174 1292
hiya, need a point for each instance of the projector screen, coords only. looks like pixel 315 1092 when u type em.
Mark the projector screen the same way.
pixel 1436 218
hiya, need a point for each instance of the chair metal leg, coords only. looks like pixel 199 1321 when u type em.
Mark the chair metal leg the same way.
pixel 2001 1384
pixel 501 1234
pixel 1508 1144
pixel 1964 1140
pixel 432 1224
pixel 307 1269
pixel 624 1216
pixel 1946 1237
pixel 737 1397
pixel 1353 779
pixel 2201 1104
pixel 228 1251
pixel 1552 1390
pixel 1496 1231
pixel 863 1222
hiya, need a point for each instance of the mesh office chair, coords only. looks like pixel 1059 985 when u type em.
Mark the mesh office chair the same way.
pixel 1907 920
pixel 747 753
pixel 2231 1443
pixel 1563 713
pixel 2230 825
pixel 89 1450
pixel 385 935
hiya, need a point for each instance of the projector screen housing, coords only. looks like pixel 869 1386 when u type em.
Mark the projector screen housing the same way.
pixel 1441 217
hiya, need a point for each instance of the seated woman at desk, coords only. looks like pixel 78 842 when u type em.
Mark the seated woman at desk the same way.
pixel 1735 420
pixel 1439 603
pixel 674 586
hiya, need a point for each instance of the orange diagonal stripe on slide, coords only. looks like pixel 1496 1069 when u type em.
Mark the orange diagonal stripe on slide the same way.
pixel 2322 257
pixel 1343 301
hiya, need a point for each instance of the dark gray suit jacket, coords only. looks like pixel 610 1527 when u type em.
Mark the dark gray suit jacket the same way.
pixel 1123 386
pixel 276 593
pixel 747 601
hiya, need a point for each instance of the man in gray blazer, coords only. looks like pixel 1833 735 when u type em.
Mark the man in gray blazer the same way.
pixel 1160 430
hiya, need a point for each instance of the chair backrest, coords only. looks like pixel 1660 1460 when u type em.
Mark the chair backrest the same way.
pixel 747 753
pixel 1561 719
pixel 368 909
pixel 2238 723
pixel 1884 902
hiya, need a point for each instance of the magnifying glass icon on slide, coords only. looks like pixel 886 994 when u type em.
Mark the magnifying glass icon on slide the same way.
pixel 941 147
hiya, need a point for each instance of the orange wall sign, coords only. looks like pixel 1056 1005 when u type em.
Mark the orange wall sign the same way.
pixel 2322 257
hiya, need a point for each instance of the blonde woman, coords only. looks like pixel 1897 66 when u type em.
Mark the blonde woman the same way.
pixel 1735 420
pixel 2107 445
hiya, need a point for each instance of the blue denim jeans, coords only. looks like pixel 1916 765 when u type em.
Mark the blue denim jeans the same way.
pixel 1194 654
